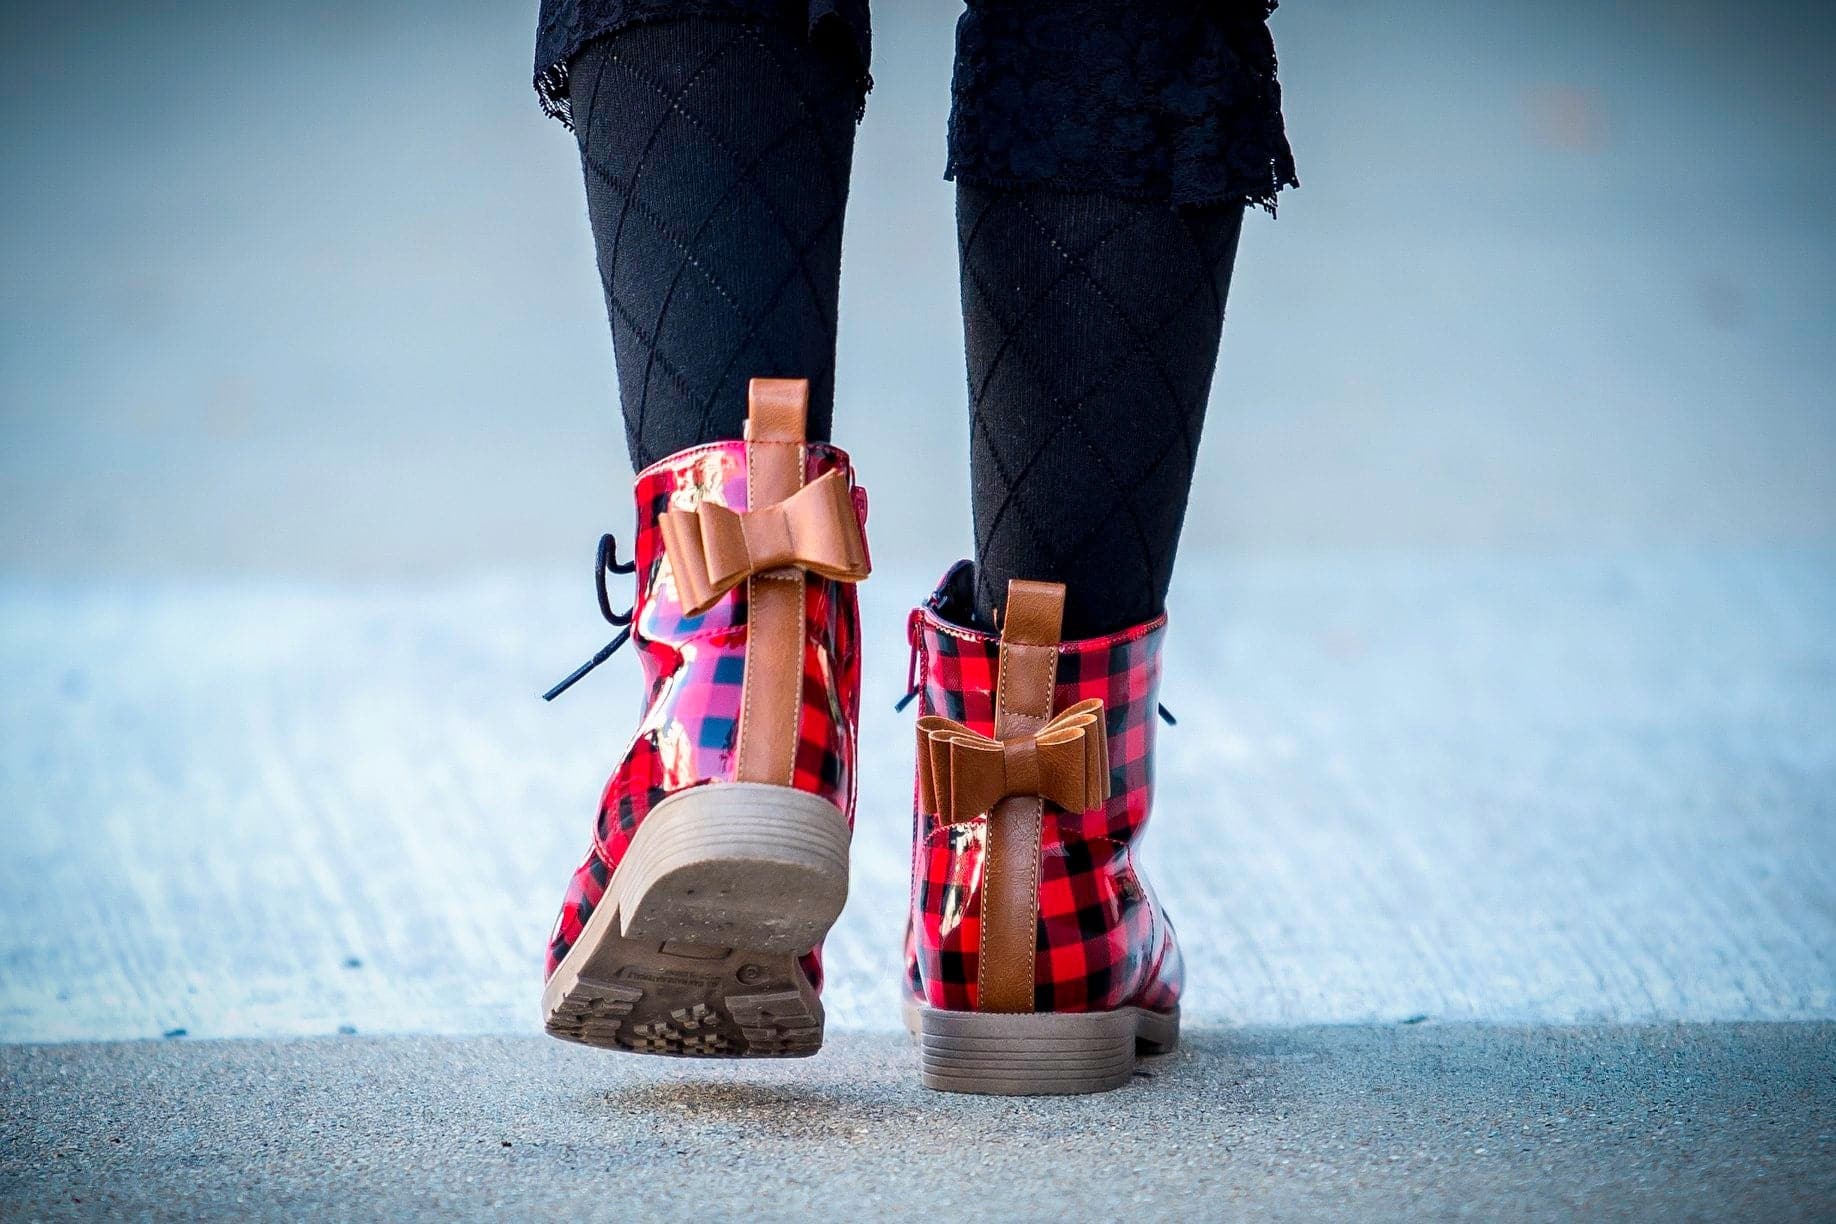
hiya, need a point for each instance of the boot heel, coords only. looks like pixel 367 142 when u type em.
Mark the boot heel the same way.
pixel 735 865
pixel 1044 1053
pixel 694 948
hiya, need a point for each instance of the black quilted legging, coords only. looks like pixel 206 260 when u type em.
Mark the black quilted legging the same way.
pixel 1097 225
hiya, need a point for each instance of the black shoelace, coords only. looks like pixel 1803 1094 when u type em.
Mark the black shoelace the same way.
pixel 605 562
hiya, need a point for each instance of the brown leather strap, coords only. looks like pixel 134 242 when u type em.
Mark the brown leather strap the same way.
pixel 771 697
pixel 1010 870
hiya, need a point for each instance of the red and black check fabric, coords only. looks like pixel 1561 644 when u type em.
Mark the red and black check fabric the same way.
pixel 695 667
pixel 1104 941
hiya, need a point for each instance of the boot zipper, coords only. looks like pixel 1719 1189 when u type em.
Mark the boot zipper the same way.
pixel 913 640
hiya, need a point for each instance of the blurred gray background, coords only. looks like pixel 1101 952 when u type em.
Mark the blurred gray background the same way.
pixel 308 289
pixel 1504 640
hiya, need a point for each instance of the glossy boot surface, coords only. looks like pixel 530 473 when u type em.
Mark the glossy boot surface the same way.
pixel 1106 970
pixel 719 857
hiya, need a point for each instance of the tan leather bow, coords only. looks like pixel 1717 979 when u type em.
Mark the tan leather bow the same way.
pixel 713 549
pixel 962 774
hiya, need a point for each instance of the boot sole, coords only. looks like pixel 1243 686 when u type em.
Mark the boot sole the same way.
pixel 1035 1054
pixel 693 950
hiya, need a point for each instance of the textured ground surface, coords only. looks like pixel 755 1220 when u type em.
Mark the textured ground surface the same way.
pixel 1356 1123
pixel 1555 792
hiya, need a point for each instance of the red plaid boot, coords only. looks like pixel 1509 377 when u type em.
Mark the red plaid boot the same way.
pixel 720 859
pixel 1037 959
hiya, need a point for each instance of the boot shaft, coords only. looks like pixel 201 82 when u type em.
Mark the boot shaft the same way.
pixel 1100 939
pixel 747 628
pixel 955 673
pixel 695 662
pixel 716 474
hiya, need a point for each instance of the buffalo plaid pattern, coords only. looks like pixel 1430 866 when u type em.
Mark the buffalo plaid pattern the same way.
pixel 1104 941
pixel 695 666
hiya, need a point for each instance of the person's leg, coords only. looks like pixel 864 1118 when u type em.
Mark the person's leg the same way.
pixel 716 150
pixel 1092 327
pixel 1103 154
pixel 716 153
pixel 1104 151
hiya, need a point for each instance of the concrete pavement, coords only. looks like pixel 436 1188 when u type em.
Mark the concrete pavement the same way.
pixel 1417 1122
pixel 1542 791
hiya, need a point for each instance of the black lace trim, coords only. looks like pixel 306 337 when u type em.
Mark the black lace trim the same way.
pixel 566 26
pixel 1154 99
pixel 1174 100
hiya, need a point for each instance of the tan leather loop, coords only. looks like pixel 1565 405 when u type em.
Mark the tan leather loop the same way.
pixel 1034 616
pixel 771 696
pixel 777 410
pixel 1010 871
